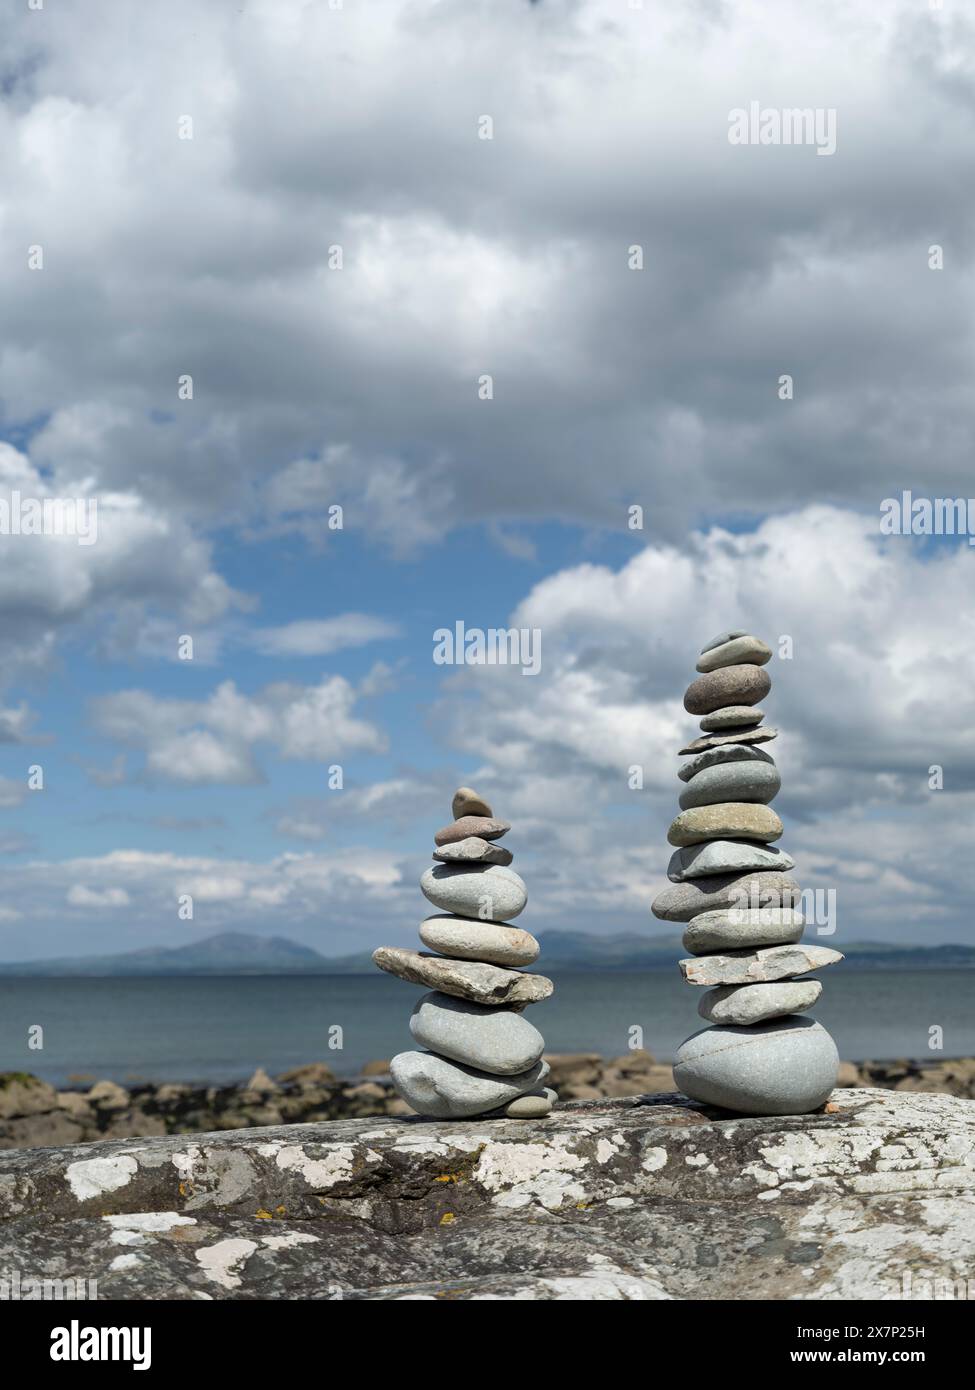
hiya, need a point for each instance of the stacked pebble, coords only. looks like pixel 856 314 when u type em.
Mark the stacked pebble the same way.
pixel 483 1057
pixel 733 889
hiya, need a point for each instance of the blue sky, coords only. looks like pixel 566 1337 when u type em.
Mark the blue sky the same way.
pixel 314 387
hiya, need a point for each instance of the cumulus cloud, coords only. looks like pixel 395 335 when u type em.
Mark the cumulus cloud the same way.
pixel 358 129
pixel 867 704
pixel 214 740
pixel 322 636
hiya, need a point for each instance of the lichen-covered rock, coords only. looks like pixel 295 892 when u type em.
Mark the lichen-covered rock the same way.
pixel 641 1199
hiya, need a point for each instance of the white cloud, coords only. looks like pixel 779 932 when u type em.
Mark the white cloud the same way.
pixel 81 896
pixel 322 636
pixel 213 740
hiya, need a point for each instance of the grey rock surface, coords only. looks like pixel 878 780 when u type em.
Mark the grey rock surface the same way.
pixel 682 901
pixel 473 850
pixel 490 892
pixel 492 1039
pixel 744 1004
pixel 752 967
pixel 736 781
pixel 724 820
pixel 641 1199
pixel 732 717
pixel 726 857
pixel 736 650
pixel 724 753
pixel 763 734
pixel 729 685
pixel 465 938
pixel 442 1089
pixel 787 1066
pixel 731 929
pixel 484 827
pixel 464 979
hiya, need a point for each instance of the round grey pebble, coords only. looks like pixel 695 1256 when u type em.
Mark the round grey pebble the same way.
pixel 732 929
pixel 744 1004
pixel 786 1066
pixel 466 938
pixel 447 1090
pixel 752 781
pixel 681 901
pixel 729 685
pixel 740 648
pixel 724 753
pixel 726 857
pixel 490 892
pixel 532 1106
pixel 732 717
pixel 495 1040
pixel 473 850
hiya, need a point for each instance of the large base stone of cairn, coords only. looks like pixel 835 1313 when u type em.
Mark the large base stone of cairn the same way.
pixel 761 1056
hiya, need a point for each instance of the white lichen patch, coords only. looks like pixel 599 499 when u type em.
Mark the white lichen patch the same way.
pixel 337 1165
pixel 606 1149
pixel 696 1160
pixel 220 1262
pixel 93 1177
pixel 285 1242
pixel 525 1173
pixel 653 1160
pixel 125 1262
pixel 131 1228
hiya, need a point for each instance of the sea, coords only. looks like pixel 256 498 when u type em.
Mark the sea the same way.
pixel 218 1030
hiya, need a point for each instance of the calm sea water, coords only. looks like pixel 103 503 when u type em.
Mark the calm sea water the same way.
pixel 219 1030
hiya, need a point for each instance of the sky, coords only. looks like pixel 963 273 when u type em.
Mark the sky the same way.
pixel 360 320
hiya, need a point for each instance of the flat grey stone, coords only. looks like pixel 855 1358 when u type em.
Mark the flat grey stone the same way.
pixel 464 979
pixel 490 892
pixel 466 802
pixel 444 1090
pixel 466 938
pixel 724 753
pixel 735 651
pixel 723 820
pixel 496 1040
pixel 763 734
pixel 724 637
pixel 729 685
pixel 682 901
pixel 736 781
pixel 752 967
pixel 732 718
pixel 484 827
pixel 744 1004
pixel 726 857
pixel 731 929
pixel 473 850
pixel 785 1066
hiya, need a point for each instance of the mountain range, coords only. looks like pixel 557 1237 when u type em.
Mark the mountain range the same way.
pixel 239 953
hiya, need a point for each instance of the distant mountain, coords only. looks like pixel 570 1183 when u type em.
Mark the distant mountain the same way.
pixel 229 953
pixel 239 953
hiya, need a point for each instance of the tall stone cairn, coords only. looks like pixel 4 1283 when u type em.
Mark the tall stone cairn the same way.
pixel 483 1056
pixel 762 1056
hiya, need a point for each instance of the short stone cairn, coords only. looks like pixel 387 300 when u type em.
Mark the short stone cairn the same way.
pixel 483 1056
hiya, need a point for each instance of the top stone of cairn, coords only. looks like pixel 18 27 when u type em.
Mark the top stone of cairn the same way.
pixel 740 649
pixel 466 802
